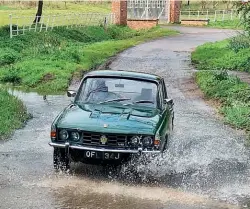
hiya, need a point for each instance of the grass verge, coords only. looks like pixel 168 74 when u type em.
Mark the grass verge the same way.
pixel 213 60
pixel 12 114
pixel 46 61
pixel 223 55
pixel 227 24
pixel 231 92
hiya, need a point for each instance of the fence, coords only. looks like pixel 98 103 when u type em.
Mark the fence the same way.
pixel 21 24
pixel 214 15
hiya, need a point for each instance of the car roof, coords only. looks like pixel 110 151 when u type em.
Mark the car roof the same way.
pixel 125 74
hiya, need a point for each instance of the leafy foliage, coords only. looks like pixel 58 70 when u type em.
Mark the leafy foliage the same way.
pixel 8 56
pixel 239 42
pixel 231 92
pixel 244 11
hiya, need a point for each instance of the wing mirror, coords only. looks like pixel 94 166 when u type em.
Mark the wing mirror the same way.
pixel 169 102
pixel 71 93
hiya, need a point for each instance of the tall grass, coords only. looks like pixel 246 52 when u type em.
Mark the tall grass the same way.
pixel 12 114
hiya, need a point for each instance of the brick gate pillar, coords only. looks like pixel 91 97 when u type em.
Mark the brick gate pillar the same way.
pixel 119 9
pixel 174 13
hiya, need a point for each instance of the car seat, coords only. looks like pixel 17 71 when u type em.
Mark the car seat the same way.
pixel 146 94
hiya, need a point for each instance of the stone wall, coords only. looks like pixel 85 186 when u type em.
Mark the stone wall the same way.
pixel 141 24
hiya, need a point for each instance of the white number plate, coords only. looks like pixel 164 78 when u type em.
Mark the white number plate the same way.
pixel 102 155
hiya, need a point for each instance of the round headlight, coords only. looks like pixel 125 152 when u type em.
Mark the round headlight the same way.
pixel 75 136
pixel 147 141
pixel 63 134
pixel 134 140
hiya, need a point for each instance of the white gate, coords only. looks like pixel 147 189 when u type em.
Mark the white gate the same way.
pixel 148 9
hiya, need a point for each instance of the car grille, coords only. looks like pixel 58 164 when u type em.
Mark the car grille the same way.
pixel 114 140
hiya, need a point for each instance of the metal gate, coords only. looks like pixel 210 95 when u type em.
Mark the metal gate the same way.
pixel 148 9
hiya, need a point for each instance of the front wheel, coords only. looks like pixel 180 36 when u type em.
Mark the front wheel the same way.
pixel 60 159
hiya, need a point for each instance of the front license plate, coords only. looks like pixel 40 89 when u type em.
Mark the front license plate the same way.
pixel 102 155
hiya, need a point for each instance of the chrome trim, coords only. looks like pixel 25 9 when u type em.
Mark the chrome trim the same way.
pixel 60 145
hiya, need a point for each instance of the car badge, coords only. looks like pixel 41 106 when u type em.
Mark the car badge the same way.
pixel 105 125
pixel 103 139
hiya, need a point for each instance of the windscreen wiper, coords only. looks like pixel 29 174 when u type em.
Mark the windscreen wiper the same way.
pixel 115 100
pixel 144 101
pixel 94 90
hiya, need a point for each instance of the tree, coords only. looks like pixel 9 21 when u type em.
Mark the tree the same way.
pixel 39 11
pixel 243 8
pixel 203 4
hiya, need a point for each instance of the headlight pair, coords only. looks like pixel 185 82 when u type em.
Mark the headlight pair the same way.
pixel 146 141
pixel 64 135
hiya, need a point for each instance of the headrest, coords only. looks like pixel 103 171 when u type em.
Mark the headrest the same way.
pixel 146 94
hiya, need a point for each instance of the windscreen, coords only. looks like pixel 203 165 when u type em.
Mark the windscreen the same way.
pixel 120 90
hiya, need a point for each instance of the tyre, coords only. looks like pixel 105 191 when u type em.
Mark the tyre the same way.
pixel 60 160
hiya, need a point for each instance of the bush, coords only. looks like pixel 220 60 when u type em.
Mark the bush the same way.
pixel 11 75
pixel 239 42
pixel 8 56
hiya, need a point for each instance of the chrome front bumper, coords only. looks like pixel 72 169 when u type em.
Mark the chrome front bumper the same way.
pixel 65 145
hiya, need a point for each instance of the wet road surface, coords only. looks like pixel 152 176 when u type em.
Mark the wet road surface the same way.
pixel 207 165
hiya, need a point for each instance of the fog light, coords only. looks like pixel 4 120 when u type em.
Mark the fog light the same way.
pixel 147 141
pixel 75 136
pixel 64 134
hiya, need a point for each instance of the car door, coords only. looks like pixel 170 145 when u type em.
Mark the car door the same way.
pixel 170 105
pixel 165 115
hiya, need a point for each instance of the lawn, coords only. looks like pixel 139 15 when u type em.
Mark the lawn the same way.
pixel 50 8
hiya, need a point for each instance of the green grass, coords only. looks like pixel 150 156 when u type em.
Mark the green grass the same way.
pixel 24 9
pixel 210 5
pixel 227 24
pixel 46 61
pixel 219 55
pixel 12 114
pixel 233 94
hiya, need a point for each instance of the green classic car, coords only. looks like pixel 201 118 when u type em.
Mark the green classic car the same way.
pixel 113 115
